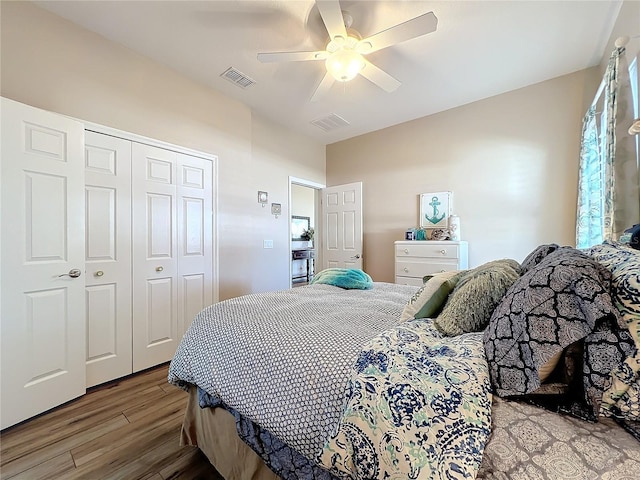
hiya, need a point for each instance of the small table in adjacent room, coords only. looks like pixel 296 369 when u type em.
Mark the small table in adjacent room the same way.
pixel 308 255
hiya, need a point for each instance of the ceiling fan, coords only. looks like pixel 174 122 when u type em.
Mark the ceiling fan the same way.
pixel 345 50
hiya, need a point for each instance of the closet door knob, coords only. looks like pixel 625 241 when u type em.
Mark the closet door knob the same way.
pixel 73 273
pixel 99 273
pixel 159 269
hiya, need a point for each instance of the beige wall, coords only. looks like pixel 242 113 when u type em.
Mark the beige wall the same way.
pixel 510 160
pixel 52 64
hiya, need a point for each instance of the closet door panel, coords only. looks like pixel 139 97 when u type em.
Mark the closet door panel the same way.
pixel 42 317
pixel 101 324
pixel 156 331
pixel 160 325
pixel 195 220
pixel 108 257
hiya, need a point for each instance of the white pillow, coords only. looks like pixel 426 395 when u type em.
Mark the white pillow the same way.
pixel 425 293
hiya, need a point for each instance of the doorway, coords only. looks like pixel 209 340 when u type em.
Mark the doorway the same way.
pixel 304 213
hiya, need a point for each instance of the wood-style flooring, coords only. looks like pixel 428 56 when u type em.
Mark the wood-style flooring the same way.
pixel 127 429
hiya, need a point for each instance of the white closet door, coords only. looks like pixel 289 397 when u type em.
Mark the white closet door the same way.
pixel 156 331
pixel 42 273
pixel 195 264
pixel 108 257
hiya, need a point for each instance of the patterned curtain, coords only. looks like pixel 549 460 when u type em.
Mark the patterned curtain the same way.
pixel 590 200
pixel 608 187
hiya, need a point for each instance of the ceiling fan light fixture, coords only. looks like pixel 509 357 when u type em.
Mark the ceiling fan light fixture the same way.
pixel 344 64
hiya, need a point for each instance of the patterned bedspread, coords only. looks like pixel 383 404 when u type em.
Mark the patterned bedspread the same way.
pixel 417 406
pixel 282 359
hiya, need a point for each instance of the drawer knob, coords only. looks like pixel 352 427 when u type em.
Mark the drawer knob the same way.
pixel 406 250
pixel 442 271
pixel 443 251
pixel 406 270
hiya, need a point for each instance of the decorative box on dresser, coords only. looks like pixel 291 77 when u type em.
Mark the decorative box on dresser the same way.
pixel 415 259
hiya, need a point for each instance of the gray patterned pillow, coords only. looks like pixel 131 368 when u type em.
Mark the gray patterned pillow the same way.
pixel 562 300
pixel 537 255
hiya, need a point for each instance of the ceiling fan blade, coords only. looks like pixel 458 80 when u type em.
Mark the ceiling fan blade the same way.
pixel 331 14
pixel 379 77
pixel 402 32
pixel 323 87
pixel 291 56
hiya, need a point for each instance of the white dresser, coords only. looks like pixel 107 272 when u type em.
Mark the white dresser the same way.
pixel 415 259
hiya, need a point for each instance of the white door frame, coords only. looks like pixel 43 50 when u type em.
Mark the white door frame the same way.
pixel 318 243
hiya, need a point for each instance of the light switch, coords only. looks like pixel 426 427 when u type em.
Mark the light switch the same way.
pixel 268 244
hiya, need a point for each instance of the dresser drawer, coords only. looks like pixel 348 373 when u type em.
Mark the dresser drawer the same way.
pixel 429 251
pixel 417 268
pixel 415 259
pixel 414 281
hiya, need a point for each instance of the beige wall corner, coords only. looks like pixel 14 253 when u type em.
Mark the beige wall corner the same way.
pixel 510 160
pixel 50 63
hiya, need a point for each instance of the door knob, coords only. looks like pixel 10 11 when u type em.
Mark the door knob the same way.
pixel 73 273
pixel 356 256
pixel 159 269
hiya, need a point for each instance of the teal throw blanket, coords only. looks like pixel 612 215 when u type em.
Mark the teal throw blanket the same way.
pixel 348 278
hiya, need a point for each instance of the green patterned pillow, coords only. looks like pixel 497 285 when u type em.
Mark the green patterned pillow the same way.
pixel 622 398
pixel 429 299
pixel 476 296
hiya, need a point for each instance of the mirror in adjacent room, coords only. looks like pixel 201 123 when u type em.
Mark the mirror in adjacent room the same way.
pixel 299 225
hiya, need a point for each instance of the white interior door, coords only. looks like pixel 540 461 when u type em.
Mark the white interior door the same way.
pixel 195 232
pixel 108 257
pixel 42 274
pixel 342 226
pixel 156 331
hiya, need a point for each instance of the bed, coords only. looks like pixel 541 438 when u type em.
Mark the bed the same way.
pixel 348 378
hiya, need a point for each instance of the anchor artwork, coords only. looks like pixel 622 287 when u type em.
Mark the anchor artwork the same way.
pixel 435 209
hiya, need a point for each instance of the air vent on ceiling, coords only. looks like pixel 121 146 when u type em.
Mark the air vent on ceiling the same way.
pixel 237 77
pixel 330 122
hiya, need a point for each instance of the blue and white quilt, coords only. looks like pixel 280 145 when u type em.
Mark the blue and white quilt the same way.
pixel 284 361
pixel 417 406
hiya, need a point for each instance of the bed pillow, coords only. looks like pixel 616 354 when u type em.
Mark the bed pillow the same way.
pixel 622 398
pixel 549 366
pixel 537 255
pixel 347 278
pixel 430 298
pixel 470 305
pixel 563 300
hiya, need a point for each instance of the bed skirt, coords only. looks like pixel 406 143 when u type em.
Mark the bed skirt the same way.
pixel 213 430
pixel 525 438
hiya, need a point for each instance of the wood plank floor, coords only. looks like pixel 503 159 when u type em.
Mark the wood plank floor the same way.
pixel 127 429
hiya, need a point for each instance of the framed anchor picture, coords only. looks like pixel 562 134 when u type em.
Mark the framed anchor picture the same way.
pixel 435 209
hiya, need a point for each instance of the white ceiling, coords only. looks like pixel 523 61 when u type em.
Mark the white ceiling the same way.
pixel 480 49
